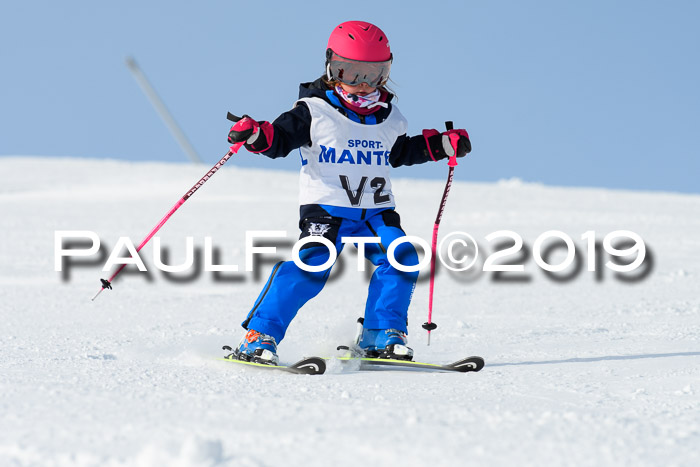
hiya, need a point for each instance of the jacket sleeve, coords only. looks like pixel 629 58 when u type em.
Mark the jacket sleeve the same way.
pixel 410 150
pixel 292 131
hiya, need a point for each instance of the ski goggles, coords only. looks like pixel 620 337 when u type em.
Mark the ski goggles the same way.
pixel 355 72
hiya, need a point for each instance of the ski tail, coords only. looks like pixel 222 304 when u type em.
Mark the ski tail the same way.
pixel 467 364
pixel 309 366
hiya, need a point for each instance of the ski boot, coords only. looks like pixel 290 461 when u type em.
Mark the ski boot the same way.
pixel 257 348
pixel 385 343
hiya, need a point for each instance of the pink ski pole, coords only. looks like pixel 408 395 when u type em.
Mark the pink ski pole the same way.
pixel 107 283
pixel 452 163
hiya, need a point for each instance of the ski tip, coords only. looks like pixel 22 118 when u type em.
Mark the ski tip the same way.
pixel 468 364
pixel 310 366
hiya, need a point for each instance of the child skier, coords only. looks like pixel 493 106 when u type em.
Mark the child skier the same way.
pixel 349 134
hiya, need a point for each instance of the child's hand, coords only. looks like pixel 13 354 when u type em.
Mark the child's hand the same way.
pixel 464 146
pixel 248 131
pixel 440 146
pixel 243 129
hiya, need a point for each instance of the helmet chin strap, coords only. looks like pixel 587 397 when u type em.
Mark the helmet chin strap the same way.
pixel 328 71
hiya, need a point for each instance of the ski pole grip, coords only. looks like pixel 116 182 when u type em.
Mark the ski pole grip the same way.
pixel 453 141
pixel 232 117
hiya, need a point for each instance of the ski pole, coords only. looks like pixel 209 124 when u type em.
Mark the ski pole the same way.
pixel 107 283
pixel 452 163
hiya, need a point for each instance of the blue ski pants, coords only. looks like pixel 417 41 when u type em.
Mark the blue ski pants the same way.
pixel 289 287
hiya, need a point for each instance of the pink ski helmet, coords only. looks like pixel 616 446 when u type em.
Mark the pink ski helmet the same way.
pixel 358 52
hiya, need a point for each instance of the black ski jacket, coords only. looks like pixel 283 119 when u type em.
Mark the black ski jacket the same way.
pixel 293 129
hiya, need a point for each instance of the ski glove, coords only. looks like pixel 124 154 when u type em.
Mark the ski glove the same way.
pixel 440 147
pixel 256 136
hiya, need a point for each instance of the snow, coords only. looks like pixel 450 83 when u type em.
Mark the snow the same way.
pixel 583 372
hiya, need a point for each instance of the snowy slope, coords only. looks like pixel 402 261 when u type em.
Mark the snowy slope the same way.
pixel 582 372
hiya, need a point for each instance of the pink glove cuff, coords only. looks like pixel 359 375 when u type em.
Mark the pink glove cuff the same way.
pixel 427 134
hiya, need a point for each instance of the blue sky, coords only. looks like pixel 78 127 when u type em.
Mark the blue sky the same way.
pixel 595 93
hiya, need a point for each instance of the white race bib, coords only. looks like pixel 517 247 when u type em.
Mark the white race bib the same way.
pixel 348 162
